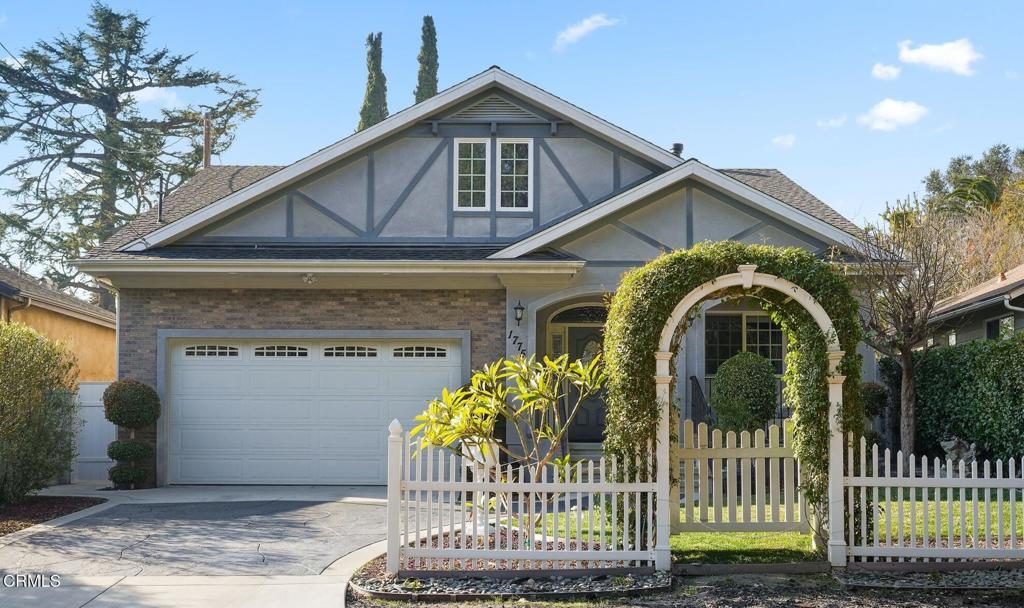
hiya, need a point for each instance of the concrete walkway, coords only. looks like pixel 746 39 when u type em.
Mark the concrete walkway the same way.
pixel 197 546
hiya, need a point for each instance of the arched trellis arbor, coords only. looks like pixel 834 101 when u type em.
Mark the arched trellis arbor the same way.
pixel 646 316
pixel 747 278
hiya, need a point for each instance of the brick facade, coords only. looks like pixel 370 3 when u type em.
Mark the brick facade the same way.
pixel 143 311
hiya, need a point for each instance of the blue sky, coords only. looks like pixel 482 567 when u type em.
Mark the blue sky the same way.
pixel 782 84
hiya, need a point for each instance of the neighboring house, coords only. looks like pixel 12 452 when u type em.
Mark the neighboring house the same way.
pixel 87 329
pixel 989 311
pixel 287 314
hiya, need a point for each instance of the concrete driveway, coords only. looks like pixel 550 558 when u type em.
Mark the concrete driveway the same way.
pixel 208 535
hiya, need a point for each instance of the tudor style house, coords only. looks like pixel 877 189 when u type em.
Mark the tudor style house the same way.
pixel 287 314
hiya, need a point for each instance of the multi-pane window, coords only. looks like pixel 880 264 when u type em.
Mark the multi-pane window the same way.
pixel 471 173
pixel 420 352
pixel 211 350
pixel 999 329
pixel 281 350
pixel 350 351
pixel 514 178
pixel 726 335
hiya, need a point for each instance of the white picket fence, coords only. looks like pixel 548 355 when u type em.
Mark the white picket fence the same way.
pixel 752 485
pixel 938 511
pixel 447 513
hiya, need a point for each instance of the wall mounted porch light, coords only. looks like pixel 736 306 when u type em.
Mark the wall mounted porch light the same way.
pixel 518 310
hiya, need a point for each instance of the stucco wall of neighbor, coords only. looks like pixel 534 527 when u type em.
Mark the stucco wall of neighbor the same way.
pixel 144 311
pixel 93 345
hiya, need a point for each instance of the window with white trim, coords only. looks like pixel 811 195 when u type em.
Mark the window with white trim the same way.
pixel 211 350
pixel 472 174
pixel 351 351
pixel 727 334
pixel 420 352
pixel 514 179
pixel 281 350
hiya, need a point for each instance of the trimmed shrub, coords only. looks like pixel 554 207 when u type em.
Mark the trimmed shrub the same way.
pixel 38 411
pixel 129 450
pixel 974 391
pixel 131 404
pixel 127 475
pixel 743 393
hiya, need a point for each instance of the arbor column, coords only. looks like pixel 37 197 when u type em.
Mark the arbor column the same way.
pixel 836 510
pixel 665 503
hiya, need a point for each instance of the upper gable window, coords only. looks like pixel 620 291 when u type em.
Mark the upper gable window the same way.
pixel 472 175
pixel 514 163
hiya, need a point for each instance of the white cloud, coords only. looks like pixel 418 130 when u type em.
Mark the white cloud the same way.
pixel 575 32
pixel 884 71
pixel 832 123
pixel 956 56
pixel 153 95
pixel 784 142
pixel 890 114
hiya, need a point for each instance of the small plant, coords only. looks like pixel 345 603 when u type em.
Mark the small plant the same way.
pixel 743 394
pixel 133 405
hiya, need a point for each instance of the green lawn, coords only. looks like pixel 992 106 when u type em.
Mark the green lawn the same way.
pixel 937 515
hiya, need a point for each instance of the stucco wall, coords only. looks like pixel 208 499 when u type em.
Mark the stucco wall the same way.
pixel 93 345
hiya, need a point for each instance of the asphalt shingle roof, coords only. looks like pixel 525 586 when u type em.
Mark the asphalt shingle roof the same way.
pixel 998 285
pixel 27 286
pixel 214 183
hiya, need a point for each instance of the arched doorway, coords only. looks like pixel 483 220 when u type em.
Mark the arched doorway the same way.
pixel 577 329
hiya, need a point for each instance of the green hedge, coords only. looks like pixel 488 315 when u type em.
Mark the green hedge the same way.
pixel 743 393
pixel 974 391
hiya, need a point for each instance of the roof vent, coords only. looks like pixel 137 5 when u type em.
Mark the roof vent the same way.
pixel 493 109
pixel 677 149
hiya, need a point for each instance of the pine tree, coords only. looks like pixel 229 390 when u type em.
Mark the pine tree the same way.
pixel 426 83
pixel 375 104
pixel 93 146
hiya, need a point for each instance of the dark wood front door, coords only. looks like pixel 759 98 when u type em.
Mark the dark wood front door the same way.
pixel 588 426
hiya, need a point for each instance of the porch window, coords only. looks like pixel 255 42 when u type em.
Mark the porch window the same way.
pixel 472 187
pixel 514 162
pixel 727 334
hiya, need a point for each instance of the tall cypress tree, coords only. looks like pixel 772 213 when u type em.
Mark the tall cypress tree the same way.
pixel 375 104
pixel 426 83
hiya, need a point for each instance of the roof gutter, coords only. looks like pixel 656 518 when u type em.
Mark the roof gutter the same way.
pixel 1006 303
pixel 100 267
pixel 956 312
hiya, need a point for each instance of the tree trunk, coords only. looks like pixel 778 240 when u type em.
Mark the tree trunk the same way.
pixel 908 399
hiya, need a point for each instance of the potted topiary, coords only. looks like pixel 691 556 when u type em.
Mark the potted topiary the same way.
pixel 132 405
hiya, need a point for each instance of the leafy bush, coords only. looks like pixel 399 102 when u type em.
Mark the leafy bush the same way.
pixel 874 397
pixel 38 411
pixel 127 475
pixel 974 391
pixel 129 450
pixel 743 393
pixel 131 404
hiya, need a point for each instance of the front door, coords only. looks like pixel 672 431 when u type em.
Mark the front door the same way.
pixel 588 426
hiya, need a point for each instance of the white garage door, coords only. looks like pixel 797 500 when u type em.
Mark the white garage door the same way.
pixel 297 412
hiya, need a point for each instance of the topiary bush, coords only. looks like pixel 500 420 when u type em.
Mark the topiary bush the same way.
pixel 129 450
pixel 131 404
pixel 126 475
pixel 38 411
pixel 974 391
pixel 743 393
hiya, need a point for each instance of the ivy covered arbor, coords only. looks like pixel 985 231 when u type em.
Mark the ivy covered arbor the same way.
pixel 808 297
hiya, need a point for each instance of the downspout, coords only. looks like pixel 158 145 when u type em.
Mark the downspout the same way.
pixel 1006 303
pixel 19 306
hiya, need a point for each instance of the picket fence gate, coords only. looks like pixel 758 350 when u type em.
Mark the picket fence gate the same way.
pixel 447 512
pixel 749 486
pixel 948 511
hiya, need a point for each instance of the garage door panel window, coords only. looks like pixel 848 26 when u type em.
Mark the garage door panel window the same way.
pixel 420 352
pixel 211 350
pixel 281 350
pixel 350 352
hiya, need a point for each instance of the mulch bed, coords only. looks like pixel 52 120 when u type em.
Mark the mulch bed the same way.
pixel 39 509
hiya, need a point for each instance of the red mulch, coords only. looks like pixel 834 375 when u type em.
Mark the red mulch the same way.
pixel 38 509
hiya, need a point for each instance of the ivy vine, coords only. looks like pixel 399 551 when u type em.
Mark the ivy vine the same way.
pixel 645 299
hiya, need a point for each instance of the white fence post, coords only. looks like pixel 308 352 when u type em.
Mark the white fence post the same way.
pixel 394 512
pixel 665 500
pixel 836 519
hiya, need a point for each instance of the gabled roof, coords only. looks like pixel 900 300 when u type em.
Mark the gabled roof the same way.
pixel 1009 283
pixel 14 284
pixel 810 213
pixel 494 77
